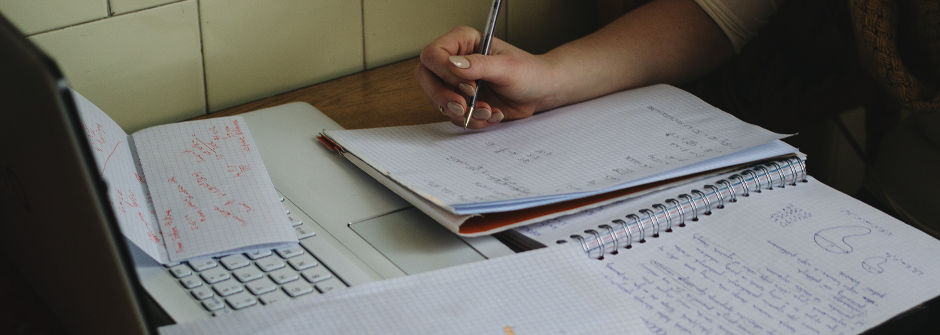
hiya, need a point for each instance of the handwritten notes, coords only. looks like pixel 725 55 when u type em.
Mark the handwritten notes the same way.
pixel 127 188
pixel 187 189
pixel 210 188
pixel 739 271
pixel 589 148
pixel 804 259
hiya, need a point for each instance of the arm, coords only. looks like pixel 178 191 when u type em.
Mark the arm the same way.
pixel 663 41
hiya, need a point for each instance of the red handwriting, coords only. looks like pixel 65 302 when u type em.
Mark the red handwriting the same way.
pixel 238 170
pixel 202 149
pixel 204 182
pixel 150 234
pixel 108 159
pixel 229 214
pixel 96 136
pixel 188 200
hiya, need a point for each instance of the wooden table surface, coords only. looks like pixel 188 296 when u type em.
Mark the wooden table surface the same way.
pixel 384 96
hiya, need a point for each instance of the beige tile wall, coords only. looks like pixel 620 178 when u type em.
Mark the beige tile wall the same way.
pixel 148 62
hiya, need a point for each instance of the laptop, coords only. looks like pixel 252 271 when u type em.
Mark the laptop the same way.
pixel 62 235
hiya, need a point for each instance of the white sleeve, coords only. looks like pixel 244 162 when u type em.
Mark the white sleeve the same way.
pixel 740 19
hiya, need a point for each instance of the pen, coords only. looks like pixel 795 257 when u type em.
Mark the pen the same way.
pixel 484 50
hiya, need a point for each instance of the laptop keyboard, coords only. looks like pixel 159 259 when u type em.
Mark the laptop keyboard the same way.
pixel 261 277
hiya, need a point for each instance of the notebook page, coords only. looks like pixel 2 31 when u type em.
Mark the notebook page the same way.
pixel 211 191
pixel 127 188
pixel 549 291
pixel 803 259
pixel 573 151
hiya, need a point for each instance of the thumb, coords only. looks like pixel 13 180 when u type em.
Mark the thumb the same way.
pixel 495 69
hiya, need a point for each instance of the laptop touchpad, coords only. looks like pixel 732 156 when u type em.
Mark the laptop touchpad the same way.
pixel 414 241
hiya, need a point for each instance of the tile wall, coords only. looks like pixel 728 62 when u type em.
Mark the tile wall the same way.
pixel 148 62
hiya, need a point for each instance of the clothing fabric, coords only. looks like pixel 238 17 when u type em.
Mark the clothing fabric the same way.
pixel 740 20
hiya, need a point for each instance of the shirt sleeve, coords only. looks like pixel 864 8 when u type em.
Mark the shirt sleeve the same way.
pixel 740 19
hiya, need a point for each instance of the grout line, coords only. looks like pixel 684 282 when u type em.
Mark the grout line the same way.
pixel 362 20
pixel 110 15
pixel 202 54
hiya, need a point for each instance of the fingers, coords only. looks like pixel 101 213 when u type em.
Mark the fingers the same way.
pixel 453 105
pixel 483 116
pixel 435 56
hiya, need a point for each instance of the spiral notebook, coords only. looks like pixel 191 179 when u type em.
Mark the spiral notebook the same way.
pixel 797 257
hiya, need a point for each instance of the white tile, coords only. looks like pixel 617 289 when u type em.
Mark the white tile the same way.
pixel 142 68
pixel 398 29
pixel 33 16
pixel 124 6
pixel 255 49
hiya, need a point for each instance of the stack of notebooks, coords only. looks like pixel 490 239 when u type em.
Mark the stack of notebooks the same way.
pixel 692 221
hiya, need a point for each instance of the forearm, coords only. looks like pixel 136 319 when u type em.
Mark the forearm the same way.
pixel 665 41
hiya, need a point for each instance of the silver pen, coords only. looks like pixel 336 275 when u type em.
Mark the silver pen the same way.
pixel 484 50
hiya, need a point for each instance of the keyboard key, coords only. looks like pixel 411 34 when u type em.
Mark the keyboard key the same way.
pixel 190 282
pixel 233 262
pixel 273 297
pixel 215 275
pixel 258 253
pixel 228 287
pixel 270 263
pixel 316 274
pixel 291 251
pixel 180 270
pixel 304 231
pixel 241 300
pixel 297 288
pixel 221 311
pixel 284 275
pixel 302 262
pixel 247 274
pixel 202 292
pixel 261 286
pixel 202 264
pixel 213 304
pixel 329 285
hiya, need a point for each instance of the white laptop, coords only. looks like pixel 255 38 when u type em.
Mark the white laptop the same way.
pixel 352 225
pixel 61 234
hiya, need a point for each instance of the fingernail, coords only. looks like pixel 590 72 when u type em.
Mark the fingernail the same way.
pixel 460 61
pixel 482 114
pixel 441 109
pixel 497 116
pixel 454 108
pixel 465 88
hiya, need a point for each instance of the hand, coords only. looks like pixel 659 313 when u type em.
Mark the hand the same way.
pixel 517 83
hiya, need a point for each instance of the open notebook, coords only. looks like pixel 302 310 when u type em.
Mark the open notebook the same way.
pixel 187 189
pixel 558 162
pixel 798 259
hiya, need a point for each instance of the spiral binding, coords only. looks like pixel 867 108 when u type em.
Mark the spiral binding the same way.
pixel 622 233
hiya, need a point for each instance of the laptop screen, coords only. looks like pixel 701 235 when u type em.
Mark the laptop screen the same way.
pixel 60 232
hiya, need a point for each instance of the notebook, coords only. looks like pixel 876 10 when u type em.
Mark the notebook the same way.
pixel 188 189
pixel 648 137
pixel 798 257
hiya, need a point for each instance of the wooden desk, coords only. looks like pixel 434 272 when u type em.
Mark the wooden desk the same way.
pixel 384 96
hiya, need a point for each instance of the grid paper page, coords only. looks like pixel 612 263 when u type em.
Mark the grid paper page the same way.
pixel 804 259
pixel 127 188
pixel 211 191
pixel 548 291
pixel 583 149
